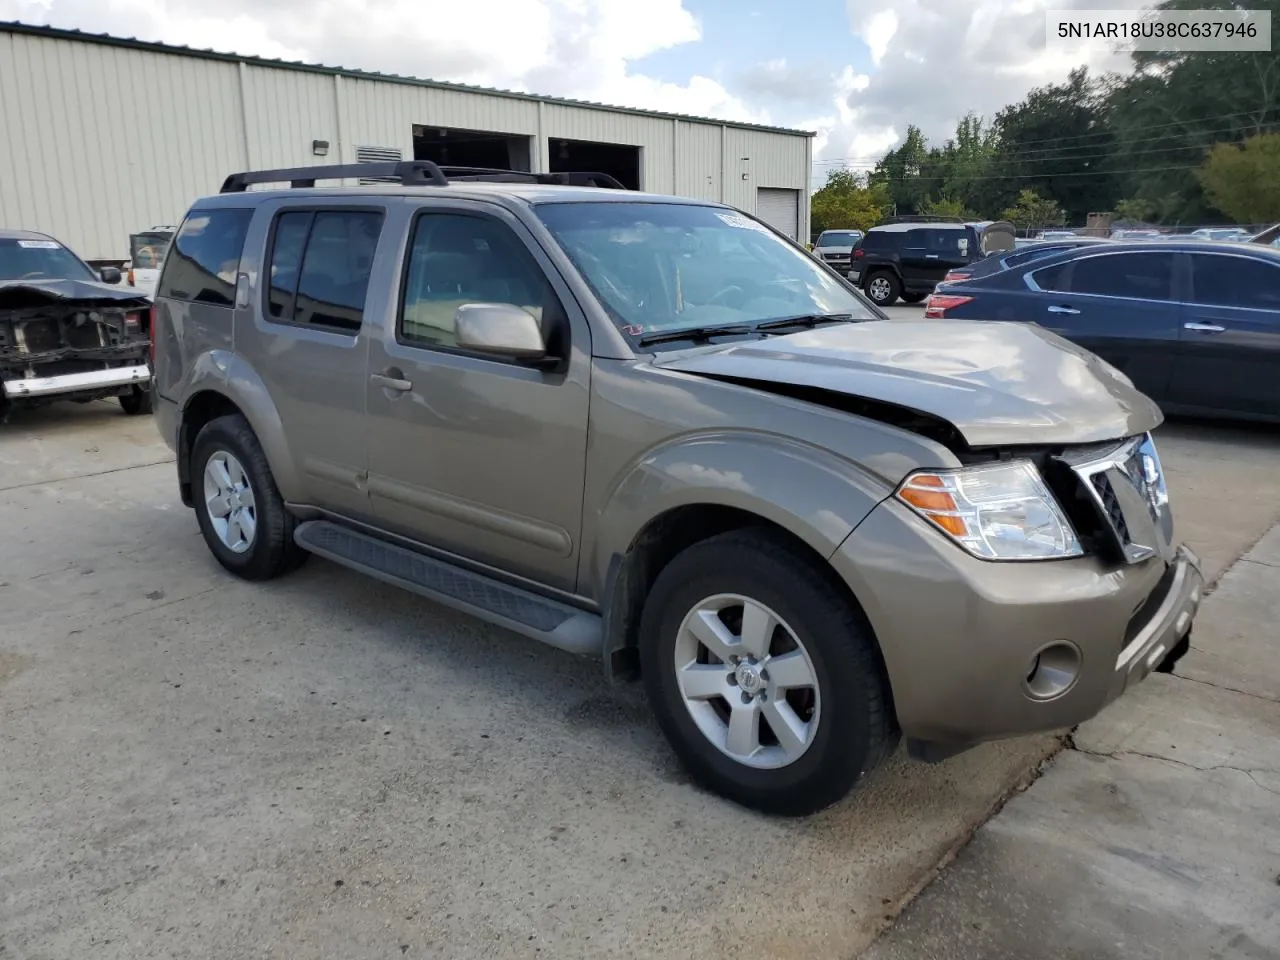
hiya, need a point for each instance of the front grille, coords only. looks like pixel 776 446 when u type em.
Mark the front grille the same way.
pixel 1111 507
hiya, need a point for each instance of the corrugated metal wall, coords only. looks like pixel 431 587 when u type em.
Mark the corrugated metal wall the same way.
pixel 100 141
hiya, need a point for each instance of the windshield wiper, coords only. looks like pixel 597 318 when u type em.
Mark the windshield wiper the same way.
pixel 805 320
pixel 696 334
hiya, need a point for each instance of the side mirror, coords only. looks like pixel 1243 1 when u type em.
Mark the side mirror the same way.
pixel 499 328
pixel 110 274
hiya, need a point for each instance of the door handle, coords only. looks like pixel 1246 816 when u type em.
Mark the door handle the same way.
pixel 1203 327
pixel 389 381
pixel 1071 310
pixel 931 256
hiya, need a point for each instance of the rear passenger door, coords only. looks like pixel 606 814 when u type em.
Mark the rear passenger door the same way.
pixel 1121 306
pixel 477 455
pixel 1230 338
pixel 302 333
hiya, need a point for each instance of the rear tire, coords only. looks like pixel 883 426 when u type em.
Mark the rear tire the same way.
pixel 838 725
pixel 240 511
pixel 883 288
pixel 137 402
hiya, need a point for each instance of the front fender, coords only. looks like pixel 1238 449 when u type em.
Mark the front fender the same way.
pixel 804 489
pixel 225 373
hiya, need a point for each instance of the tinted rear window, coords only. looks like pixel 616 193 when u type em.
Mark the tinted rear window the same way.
pixel 1235 282
pixel 933 238
pixel 204 258
pixel 880 240
pixel 320 263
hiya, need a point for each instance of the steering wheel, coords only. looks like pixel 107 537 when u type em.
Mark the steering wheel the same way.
pixel 731 290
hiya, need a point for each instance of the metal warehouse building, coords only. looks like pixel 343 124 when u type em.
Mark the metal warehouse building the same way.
pixel 104 137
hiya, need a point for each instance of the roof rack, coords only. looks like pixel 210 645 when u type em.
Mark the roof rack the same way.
pixel 413 173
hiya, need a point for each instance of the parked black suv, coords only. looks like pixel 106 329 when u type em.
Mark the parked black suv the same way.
pixel 908 257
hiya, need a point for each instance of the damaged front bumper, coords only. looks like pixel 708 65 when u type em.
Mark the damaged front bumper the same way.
pixel 56 347
pixel 108 378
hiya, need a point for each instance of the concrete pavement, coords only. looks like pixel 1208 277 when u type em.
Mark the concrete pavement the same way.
pixel 1156 834
pixel 192 766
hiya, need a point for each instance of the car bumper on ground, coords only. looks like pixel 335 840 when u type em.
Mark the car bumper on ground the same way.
pixel 979 650
pixel 71 383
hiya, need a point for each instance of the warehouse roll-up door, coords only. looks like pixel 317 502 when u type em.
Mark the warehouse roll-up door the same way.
pixel 780 209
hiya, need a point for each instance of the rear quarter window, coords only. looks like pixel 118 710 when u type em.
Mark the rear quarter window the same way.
pixel 204 258
pixel 882 240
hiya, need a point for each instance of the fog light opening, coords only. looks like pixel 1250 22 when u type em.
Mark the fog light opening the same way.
pixel 1053 671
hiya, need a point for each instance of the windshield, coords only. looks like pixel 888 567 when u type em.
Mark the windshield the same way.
pixel 40 259
pixel 668 266
pixel 147 250
pixel 844 239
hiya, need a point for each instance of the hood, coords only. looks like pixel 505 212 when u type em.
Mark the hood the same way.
pixel 23 294
pixel 995 383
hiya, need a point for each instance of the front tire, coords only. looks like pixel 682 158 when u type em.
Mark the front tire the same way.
pixel 764 675
pixel 137 402
pixel 241 513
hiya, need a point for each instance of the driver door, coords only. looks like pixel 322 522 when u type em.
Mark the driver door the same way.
pixel 481 456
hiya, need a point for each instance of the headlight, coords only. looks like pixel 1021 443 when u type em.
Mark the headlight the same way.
pixel 1002 512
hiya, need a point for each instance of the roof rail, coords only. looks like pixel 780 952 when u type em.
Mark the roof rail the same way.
pixel 413 173
pixel 408 172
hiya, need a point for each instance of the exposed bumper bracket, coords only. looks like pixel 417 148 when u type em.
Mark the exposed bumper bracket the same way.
pixel 139 375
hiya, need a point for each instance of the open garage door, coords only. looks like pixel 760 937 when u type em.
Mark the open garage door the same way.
pixel 452 146
pixel 616 159
pixel 780 209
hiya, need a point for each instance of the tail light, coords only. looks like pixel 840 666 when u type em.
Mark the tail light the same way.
pixel 858 254
pixel 955 275
pixel 936 307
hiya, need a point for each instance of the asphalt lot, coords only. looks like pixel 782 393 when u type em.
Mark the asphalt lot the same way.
pixel 323 766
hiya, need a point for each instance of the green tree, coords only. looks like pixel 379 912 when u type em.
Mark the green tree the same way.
pixel 900 170
pixel 966 162
pixel 948 207
pixel 1058 143
pixel 1033 210
pixel 1135 209
pixel 1175 106
pixel 847 201
pixel 1243 181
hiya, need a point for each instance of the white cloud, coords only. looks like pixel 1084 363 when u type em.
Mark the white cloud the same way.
pixel 878 33
pixel 936 61
pixel 572 48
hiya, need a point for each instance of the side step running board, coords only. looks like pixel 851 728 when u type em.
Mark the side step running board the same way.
pixel 558 624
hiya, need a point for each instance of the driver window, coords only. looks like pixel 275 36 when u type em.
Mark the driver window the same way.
pixel 459 258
